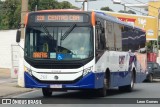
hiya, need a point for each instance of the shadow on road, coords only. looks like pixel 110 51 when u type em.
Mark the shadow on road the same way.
pixel 84 97
pixel 87 94
pixel 154 81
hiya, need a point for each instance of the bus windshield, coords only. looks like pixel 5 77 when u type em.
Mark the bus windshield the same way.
pixel 59 43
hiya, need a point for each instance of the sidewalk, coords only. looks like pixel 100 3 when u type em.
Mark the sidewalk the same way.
pixel 8 86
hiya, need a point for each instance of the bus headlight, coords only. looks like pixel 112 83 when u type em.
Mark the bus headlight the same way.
pixel 87 70
pixel 28 70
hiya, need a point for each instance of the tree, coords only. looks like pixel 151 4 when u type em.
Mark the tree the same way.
pixel 129 11
pixel 65 5
pixel 49 4
pixel 10 10
pixel 149 46
pixel 106 9
pixel 122 11
pixel 1 13
pixel 11 14
pixel 43 4
pixel 146 9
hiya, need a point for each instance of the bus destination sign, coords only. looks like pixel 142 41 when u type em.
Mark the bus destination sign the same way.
pixel 59 18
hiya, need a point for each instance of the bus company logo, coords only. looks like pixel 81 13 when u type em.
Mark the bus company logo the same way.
pixel 56 77
pixel 121 61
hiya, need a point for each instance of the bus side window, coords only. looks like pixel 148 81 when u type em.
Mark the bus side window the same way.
pixel 100 43
pixel 125 38
pixel 102 39
pixel 100 35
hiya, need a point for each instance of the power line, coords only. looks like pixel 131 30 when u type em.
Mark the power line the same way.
pixel 145 3
pixel 141 2
pixel 137 10
pixel 134 9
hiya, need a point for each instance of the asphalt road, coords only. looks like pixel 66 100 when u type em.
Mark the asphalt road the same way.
pixel 141 90
pixel 81 98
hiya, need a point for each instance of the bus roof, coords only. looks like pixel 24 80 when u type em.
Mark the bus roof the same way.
pixel 114 19
pixel 127 14
pixel 98 13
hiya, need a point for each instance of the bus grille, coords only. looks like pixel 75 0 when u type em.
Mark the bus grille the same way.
pixel 55 66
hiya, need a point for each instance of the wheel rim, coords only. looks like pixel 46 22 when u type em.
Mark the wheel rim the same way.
pixel 151 78
pixel 105 81
pixel 132 83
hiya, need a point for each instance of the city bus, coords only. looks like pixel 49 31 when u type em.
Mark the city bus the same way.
pixel 81 50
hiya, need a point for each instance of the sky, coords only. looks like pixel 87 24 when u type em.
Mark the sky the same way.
pixel 96 5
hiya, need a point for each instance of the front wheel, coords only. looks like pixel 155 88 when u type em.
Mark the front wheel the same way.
pixel 46 92
pixel 103 91
pixel 150 78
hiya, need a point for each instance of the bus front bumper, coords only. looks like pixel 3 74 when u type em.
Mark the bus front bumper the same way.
pixel 90 81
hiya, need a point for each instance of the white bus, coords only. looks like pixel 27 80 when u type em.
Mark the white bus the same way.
pixel 78 50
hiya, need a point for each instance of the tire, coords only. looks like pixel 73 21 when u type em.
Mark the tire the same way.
pixel 46 92
pixel 103 91
pixel 150 78
pixel 128 88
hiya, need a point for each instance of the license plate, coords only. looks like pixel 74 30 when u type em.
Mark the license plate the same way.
pixel 56 86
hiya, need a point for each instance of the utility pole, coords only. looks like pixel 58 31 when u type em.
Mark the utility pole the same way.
pixel 158 32
pixel 24 10
pixel 85 5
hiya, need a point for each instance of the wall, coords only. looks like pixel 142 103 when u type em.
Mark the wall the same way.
pixel 154 10
pixel 7 37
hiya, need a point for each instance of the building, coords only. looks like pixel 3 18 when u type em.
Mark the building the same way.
pixel 154 10
pixel 147 23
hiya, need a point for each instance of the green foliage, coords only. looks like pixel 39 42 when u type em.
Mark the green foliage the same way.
pixel 129 12
pixel 149 45
pixel 43 4
pixel 10 14
pixel 106 9
pixel 146 9
pixel 0 13
pixel 10 10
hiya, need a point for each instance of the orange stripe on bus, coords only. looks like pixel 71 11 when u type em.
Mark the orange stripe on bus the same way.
pixel 93 18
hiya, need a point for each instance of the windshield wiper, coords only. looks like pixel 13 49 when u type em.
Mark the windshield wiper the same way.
pixel 68 31
pixel 46 31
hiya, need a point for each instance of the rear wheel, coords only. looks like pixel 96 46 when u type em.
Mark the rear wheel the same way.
pixel 128 88
pixel 46 92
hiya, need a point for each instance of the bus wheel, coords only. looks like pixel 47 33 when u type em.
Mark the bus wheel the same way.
pixel 103 91
pixel 46 92
pixel 128 88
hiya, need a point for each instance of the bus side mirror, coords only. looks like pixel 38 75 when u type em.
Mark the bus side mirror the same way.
pixel 18 36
